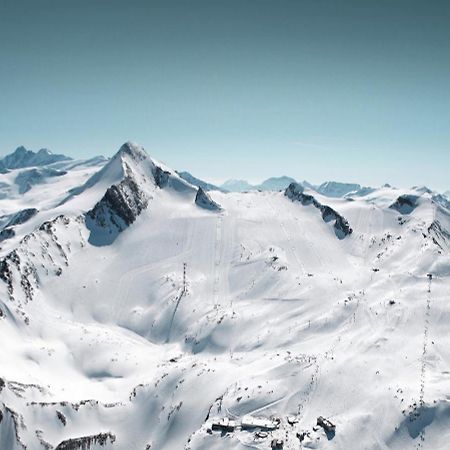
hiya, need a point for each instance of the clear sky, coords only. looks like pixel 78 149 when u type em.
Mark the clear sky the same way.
pixel 346 90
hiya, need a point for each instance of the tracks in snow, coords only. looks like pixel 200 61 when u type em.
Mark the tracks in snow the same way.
pixel 415 414
pixel 177 304
pixel 291 245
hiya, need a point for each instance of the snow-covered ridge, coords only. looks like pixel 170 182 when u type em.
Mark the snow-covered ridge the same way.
pixel 341 226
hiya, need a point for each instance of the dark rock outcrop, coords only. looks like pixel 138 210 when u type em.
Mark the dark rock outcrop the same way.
pixel 7 233
pixel 342 229
pixel 439 235
pixel 61 417
pixel 117 210
pixel 86 442
pixel 405 204
pixel 21 217
pixel 203 200
pixel 39 254
pixel 161 177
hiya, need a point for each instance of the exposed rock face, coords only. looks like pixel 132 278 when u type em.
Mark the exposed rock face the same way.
pixel 40 253
pixel 86 442
pixel 117 210
pixel 342 228
pixel 442 201
pixel 439 235
pixel 203 200
pixel 405 204
pixel 21 217
pixel 7 233
pixel 161 177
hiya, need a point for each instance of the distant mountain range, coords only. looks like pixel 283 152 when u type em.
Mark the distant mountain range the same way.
pixel 22 158
pixel 271 184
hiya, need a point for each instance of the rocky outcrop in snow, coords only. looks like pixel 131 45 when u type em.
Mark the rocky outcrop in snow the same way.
pixel 204 200
pixel 342 228
pixel 117 210
pixel 7 233
pixel 405 204
pixel 39 254
pixel 21 217
pixel 86 442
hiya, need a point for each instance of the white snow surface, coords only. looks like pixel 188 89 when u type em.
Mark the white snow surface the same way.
pixel 189 316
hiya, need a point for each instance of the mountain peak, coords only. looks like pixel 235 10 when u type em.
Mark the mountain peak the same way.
pixel 132 149
pixel 22 157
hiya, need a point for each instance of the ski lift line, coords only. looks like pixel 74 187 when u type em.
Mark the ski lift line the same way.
pixel 177 304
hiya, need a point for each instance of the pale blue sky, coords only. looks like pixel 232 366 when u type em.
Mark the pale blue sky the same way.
pixel 346 90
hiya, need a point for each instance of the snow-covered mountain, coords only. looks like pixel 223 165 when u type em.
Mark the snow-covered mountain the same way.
pixel 275 183
pixel 236 186
pixel 22 157
pixel 139 311
pixel 336 189
pixel 271 184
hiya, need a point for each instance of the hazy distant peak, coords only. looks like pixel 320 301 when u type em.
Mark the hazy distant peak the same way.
pixel 21 157
pixel 236 185
pixel 337 189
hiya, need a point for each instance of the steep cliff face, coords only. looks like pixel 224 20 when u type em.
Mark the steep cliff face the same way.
pixel 117 210
pixel 405 204
pixel 342 229
pixel 20 217
pixel 205 201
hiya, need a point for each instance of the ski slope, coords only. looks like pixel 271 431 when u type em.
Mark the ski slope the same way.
pixel 109 344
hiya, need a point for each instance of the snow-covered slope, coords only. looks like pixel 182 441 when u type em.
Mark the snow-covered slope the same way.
pixel 134 315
